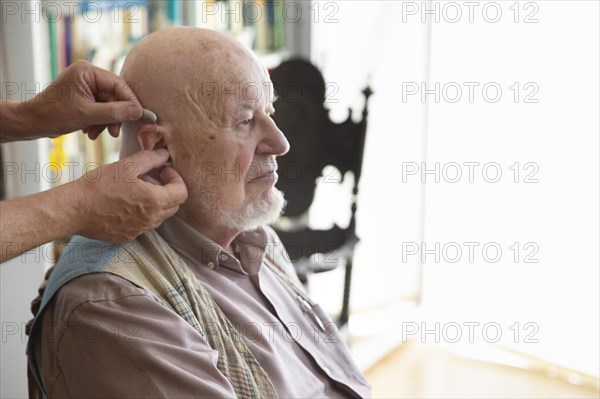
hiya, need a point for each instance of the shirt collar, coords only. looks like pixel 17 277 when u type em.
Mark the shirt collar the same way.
pixel 201 251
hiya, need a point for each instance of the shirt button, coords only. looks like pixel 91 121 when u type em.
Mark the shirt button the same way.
pixel 210 265
pixel 223 257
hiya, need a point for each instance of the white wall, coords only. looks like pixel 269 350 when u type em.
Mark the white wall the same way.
pixel 557 135
pixel 559 214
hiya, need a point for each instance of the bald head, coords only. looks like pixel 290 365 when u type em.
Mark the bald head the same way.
pixel 180 74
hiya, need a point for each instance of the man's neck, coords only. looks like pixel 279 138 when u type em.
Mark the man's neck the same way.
pixel 218 233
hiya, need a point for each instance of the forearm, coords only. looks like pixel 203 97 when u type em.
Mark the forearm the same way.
pixel 16 122
pixel 28 222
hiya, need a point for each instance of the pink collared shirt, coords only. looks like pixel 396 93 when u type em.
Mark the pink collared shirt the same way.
pixel 104 337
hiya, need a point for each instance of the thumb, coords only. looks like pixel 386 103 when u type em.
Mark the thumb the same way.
pixel 104 113
pixel 174 184
pixel 146 160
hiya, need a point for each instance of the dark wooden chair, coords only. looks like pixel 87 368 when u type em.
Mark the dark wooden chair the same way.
pixel 315 142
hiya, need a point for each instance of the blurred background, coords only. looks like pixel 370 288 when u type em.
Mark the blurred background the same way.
pixel 476 273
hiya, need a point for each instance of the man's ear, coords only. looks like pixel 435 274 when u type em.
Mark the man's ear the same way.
pixel 150 136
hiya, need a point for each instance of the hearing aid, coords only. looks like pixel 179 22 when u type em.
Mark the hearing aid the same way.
pixel 149 116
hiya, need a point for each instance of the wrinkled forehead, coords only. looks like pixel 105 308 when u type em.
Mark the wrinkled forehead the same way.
pixel 247 85
pixel 242 89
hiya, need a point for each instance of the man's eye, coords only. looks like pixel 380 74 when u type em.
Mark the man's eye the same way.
pixel 246 122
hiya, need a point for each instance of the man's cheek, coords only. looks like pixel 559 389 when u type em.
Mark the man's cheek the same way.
pixel 231 173
pixel 243 168
pixel 182 158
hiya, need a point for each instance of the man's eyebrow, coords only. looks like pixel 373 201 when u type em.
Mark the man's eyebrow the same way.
pixel 243 106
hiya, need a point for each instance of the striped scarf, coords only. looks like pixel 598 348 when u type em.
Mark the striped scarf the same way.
pixel 155 267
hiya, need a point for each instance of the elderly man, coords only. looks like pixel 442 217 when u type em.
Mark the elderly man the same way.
pixel 207 305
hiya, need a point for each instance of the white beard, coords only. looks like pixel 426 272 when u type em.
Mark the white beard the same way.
pixel 254 213
pixel 250 216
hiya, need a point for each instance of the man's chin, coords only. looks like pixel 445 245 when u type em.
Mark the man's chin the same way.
pixel 256 213
pixel 274 197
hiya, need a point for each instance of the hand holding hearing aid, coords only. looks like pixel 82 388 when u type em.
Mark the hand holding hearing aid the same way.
pixel 83 97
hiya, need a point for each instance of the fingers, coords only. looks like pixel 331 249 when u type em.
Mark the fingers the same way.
pixel 168 187
pixel 174 184
pixel 93 131
pixel 98 98
pixel 107 82
pixel 106 113
pixel 116 100
pixel 114 129
pixel 167 213
pixel 149 179
pixel 147 160
pixel 171 189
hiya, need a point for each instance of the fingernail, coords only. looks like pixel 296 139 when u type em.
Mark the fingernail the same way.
pixel 134 112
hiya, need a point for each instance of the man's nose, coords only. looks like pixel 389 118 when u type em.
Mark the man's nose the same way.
pixel 274 141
